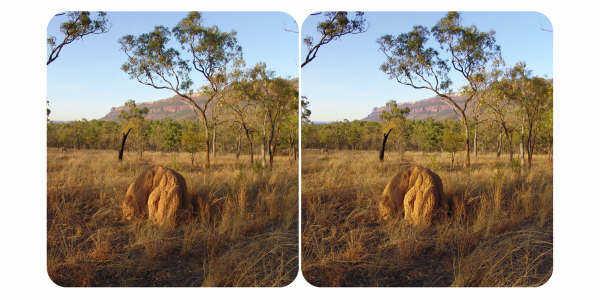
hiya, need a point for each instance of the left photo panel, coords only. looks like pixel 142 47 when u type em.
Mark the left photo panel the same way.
pixel 172 149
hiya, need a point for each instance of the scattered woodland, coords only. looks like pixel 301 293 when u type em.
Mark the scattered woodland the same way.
pixel 233 212
pixel 231 183
pixel 491 224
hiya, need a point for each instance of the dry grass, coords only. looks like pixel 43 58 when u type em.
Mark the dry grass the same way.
pixel 244 232
pixel 499 232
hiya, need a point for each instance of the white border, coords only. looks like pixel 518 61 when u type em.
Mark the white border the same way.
pixel 23 52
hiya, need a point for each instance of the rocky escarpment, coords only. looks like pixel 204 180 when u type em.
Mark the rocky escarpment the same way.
pixel 427 108
pixel 175 108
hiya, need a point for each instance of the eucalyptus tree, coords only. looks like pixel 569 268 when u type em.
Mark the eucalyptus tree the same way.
pixel 499 105
pixel 335 25
pixel 289 130
pixel 467 51
pixel 452 139
pixel 212 51
pixel 78 25
pixel 275 97
pixel 243 106
pixel 533 95
pixel 152 62
pixel 191 140
pixel 484 93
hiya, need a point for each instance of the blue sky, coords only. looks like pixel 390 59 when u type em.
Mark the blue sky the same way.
pixel 344 80
pixel 86 81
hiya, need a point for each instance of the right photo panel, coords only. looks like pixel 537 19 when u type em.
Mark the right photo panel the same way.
pixel 427 149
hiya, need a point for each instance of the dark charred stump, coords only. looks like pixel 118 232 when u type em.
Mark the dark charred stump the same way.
pixel 382 152
pixel 123 144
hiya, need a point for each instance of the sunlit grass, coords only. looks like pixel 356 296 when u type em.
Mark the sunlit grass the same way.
pixel 499 234
pixel 244 234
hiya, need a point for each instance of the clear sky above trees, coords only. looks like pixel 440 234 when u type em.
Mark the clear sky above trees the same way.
pixel 87 81
pixel 345 82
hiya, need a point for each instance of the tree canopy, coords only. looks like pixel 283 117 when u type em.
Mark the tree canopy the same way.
pixel 151 61
pixel 78 25
pixel 335 25
pixel 411 61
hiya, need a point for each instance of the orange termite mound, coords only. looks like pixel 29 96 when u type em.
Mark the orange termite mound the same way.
pixel 415 194
pixel 158 193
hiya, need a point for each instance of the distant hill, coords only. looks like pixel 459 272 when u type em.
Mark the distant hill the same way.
pixel 431 107
pixel 174 107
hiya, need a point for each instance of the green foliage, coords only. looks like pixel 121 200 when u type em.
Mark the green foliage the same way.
pixel 84 134
pixel 152 62
pixel 426 134
pixel 276 106
pixel 433 163
pixel 173 163
pixel 258 167
pixel 452 137
pixel 78 25
pixel 305 111
pixel 515 166
pixel 544 130
pixel 335 25
pixel 211 49
pixel 411 61
pixel 48 111
pixel 132 118
pixel 394 118
pixel 191 139
pixel 171 135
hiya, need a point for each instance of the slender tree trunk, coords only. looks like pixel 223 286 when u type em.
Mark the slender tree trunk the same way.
pixel 295 152
pixel 123 144
pixel 250 144
pixel 382 152
pixel 207 131
pixel 263 152
pixel 508 135
pixel 214 143
pixel 475 141
pixel 499 145
pixel 522 144
pixel 272 148
pixel 264 142
pixel 272 145
pixel 530 144
pixel 140 145
pixel 467 134
pixel 239 147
